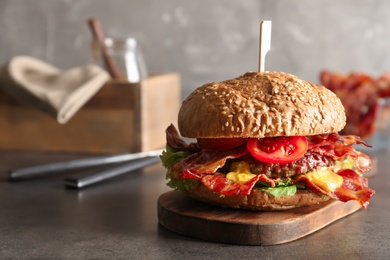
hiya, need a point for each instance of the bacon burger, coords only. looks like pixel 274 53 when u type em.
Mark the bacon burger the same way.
pixel 265 141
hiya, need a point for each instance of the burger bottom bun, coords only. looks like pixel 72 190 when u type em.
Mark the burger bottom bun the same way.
pixel 257 199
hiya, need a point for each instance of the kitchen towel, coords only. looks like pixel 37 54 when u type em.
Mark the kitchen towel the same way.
pixel 60 93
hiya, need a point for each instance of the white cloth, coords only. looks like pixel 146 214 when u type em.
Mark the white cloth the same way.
pixel 43 86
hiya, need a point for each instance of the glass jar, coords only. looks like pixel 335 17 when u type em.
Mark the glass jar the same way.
pixel 126 56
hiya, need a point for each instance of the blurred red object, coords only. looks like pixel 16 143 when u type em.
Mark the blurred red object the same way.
pixel 360 95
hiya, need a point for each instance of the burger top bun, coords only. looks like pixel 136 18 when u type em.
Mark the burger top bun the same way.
pixel 260 104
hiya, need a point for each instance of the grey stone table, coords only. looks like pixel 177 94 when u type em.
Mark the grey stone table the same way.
pixel 41 219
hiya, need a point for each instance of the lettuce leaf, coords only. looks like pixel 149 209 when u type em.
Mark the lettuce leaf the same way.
pixel 282 191
pixel 282 188
pixel 182 184
pixel 169 157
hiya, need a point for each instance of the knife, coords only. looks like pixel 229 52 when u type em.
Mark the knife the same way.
pixel 65 166
pixel 81 181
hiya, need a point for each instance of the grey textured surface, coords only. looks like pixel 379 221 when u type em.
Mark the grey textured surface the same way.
pixel 40 219
pixel 206 40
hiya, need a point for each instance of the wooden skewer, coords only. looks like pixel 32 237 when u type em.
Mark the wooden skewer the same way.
pixel 265 43
pixel 98 34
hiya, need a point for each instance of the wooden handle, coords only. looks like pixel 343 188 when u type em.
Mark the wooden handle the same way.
pixel 98 34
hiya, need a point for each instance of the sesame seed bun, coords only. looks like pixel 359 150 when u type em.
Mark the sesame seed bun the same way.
pixel 260 104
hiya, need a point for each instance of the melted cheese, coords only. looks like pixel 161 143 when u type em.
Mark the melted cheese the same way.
pixel 326 179
pixel 240 173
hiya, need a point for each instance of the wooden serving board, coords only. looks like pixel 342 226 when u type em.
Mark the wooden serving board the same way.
pixel 183 215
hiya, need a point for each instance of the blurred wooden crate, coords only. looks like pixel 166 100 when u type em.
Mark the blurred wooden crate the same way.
pixel 121 117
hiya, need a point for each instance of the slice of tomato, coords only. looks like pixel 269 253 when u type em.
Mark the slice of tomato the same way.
pixel 220 144
pixel 284 149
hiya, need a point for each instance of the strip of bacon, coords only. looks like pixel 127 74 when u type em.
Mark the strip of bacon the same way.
pixel 176 142
pixel 354 187
pixel 201 161
pixel 219 184
pixel 339 147
pixel 173 138
pixel 190 175
pixel 330 139
pixel 209 162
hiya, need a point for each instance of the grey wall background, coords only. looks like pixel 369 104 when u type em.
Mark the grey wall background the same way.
pixel 206 40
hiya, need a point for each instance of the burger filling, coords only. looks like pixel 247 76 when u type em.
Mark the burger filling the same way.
pixel 324 164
